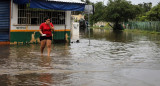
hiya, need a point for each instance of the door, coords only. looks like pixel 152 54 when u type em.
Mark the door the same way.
pixel 4 20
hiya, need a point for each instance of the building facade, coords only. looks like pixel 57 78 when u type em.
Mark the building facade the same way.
pixel 20 24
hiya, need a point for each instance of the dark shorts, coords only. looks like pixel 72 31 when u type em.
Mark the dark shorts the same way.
pixel 45 38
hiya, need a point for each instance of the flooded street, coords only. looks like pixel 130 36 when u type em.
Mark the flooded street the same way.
pixel 112 59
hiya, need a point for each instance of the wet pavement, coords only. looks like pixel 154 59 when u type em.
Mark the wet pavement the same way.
pixel 112 59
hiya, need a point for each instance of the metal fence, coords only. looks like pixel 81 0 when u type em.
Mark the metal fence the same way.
pixel 150 25
pixel 32 16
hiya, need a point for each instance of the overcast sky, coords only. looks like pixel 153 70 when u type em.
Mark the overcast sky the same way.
pixel 154 2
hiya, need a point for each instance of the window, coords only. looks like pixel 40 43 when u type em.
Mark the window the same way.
pixel 32 16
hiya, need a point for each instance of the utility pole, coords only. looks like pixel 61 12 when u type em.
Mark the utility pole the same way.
pixel 89 9
pixel 89 30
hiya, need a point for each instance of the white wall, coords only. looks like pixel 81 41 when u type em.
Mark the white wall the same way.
pixel 68 20
pixel 15 26
pixel 14 15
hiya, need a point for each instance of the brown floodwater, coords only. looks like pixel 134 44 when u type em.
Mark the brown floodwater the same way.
pixel 112 59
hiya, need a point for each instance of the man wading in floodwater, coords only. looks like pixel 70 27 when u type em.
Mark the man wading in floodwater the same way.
pixel 46 29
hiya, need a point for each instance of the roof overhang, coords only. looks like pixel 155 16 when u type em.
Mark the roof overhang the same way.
pixel 65 5
pixel 21 1
pixel 68 1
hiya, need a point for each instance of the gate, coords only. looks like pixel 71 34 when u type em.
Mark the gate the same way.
pixel 4 20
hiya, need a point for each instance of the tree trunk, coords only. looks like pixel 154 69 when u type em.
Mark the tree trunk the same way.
pixel 117 26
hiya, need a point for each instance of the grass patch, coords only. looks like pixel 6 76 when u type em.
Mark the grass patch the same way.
pixel 142 31
pixel 105 27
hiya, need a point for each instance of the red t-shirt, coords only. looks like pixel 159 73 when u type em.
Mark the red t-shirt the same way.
pixel 46 29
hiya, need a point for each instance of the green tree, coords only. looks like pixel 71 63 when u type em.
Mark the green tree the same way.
pixel 119 11
pixel 145 8
pixel 99 14
pixel 82 0
pixel 88 2
pixel 154 13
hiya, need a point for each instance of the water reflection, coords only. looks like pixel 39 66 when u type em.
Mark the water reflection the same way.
pixel 112 59
pixel 113 36
pixel 4 80
pixel 43 79
pixel 45 61
pixel 4 53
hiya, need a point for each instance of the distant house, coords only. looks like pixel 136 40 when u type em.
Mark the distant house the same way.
pixel 20 19
pixel 100 24
pixel 77 17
